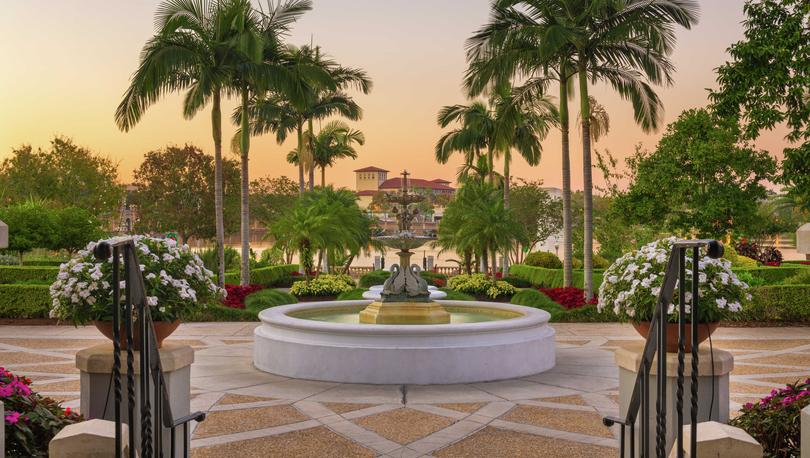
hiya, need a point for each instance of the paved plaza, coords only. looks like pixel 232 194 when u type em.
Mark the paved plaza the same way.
pixel 255 414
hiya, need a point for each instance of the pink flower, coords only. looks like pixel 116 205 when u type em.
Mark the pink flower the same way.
pixel 12 418
pixel 748 405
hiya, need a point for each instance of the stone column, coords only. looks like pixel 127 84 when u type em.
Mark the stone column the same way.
pixel 91 438
pixel 718 440
pixel 805 437
pixel 713 392
pixel 803 240
pixel 98 389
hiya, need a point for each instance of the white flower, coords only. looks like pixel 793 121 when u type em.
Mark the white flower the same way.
pixel 721 302
pixel 151 301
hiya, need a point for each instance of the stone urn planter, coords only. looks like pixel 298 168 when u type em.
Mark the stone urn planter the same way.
pixel 163 329
pixel 704 331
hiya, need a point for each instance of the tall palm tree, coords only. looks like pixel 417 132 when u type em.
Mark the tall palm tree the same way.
pixel 196 48
pixel 474 134
pixel 334 141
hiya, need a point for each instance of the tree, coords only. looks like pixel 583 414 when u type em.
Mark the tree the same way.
pixel 334 141
pixel 197 48
pixel 536 211
pixel 272 197
pixel 76 227
pixel 31 224
pixel 700 180
pixel 64 175
pixel 174 192
pixel 796 176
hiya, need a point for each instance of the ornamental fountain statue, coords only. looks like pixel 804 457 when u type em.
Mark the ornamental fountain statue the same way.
pixel 405 298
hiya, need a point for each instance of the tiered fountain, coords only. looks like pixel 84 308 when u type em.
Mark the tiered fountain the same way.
pixel 403 332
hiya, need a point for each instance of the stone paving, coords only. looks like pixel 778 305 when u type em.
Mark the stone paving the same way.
pixel 557 413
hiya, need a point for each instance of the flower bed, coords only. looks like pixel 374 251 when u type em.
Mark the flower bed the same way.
pixel 481 285
pixel 569 298
pixel 235 295
pixel 30 420
pixel 322 285
pixel 774 420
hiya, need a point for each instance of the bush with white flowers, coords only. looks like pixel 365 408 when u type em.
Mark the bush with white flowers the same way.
pixel 175 279
pixel 631 285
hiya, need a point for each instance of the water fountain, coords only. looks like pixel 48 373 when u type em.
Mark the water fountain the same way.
pixel 403 332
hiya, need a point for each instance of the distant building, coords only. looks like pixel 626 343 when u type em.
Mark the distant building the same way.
pixel 374 180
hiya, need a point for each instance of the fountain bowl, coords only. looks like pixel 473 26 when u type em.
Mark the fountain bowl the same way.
pixel 404 240
pixel 301 341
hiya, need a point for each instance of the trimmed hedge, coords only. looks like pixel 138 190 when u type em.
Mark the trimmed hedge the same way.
pixel 216 312
pixel 44 262
pixel 265 276
pixel 354 295
pixel 17 274
pixel 543 259
pixel 267 298
pixel 778 303
pixel 773 275
pixel 551 278
pixel 24 301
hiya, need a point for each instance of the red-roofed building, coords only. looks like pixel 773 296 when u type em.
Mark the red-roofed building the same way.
pixel 373 180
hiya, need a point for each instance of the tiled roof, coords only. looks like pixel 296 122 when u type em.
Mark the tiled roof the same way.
pixel 396 183
pixel 371 169
pixel 367 192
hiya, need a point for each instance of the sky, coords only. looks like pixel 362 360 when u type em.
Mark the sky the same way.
pixel 66 64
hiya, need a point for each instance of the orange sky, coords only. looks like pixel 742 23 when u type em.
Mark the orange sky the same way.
pixel 67 63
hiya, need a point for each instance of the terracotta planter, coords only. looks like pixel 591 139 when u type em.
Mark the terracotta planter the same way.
pixel 163 329
pixel 704 331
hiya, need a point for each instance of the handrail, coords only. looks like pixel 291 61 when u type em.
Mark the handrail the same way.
pixel 150 364
pixel 656 344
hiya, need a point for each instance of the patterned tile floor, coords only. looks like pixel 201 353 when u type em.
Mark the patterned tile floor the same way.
pixel 557 413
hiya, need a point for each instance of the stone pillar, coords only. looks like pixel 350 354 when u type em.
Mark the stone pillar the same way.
pixel 803 240
pixel 91 438
pixel 3 238
pixel 713 392
pixel 430 262
pixel 718 440
pixel 805 437
pixel 377 263
pixel 97 387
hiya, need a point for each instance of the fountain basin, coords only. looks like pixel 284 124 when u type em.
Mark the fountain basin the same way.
pixel 311 341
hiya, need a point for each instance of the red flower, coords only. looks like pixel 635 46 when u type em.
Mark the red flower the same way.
pixel 235 298
pixel 439 282
pixel 569 298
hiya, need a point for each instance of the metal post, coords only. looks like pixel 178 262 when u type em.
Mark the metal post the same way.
pixel 661 402
pixel 681 347
pixel 695 323
pixel 116 287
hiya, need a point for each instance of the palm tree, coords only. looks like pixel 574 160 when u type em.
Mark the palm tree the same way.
pixel 335 141
pixel 623 43
pixel 475 132
pixel 196 49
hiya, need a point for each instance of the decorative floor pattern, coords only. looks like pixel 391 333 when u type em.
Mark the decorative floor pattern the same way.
pixel 557 413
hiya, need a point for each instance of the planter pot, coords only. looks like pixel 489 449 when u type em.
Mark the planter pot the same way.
pixel 704 331
pixel 163 329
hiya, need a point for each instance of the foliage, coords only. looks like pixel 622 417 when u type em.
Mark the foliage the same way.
pixel 218 312
pixel 588 314
pixel 736 259
pixel 271 197
pixel 76 227
pixel 536 210
pixel 773 275
pixel 31 420
pixel 801 278
pixel 749 279
pixel 568 297
pixel 334 141
pixel 599 262
pixel 632 284
pixel 517 282
pixel 481 285
pixel 323 285
pixel 355 294
pixel 174 189
pixel 543 259
pixel 31 225
pixel 209 258
pixel 24 301
pixel 771 256
pixel 273 275
pixel 66 175
pixel 766 255
pixel 20 274
pixel 9 260
pixel 267 298
pixel 323 219
pixel 775 420
pixel 453 295
pixel 699 179
pixel 796 176
pixel 375 277
pixel 175 280
pixel 538 300
pixel 777 303
pixel 235 295
pixel 434 278
pixel 549 278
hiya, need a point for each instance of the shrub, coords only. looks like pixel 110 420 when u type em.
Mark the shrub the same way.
pixel 801 278
pixel 375 277
pixel 749 279
pixel 543 259
pixel 536 299
pixel 541 277
pixel 267 298
pixel 774 421
pixel 746 248
pixel 600 262
pixel 43 262
pixel 517 282
pixel 24 301
pixel 632 284
pixel 777 303
pixel 453 295
pixel 218 312
pixel 323 285
pixel 773 275
pixel 480 284
pixel 434 278
pixel 175 279
pixel 31 420
pixel 9 260
pixel 236 294
pixel 273 275
pixel 576 263
pixel 737 260
pixel 569 298
pixel 587 314
pixel 209 258
pixel 352 295
pixel 17 274
pixel 770 256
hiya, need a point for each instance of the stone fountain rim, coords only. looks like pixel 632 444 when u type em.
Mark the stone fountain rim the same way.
pixel 279 317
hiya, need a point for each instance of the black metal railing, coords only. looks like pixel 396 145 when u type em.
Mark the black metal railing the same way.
pixel 153 419
pixel 656 344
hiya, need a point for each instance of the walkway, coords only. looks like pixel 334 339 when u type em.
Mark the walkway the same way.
pixel 557 413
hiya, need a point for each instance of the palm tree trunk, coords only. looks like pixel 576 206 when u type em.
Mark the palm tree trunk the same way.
pixel 323 176
pixel 244 278
pixel 301 188
pixel 587 182
pixel 484 260
pixel 491 165
pixel 507 158
pixel 566 182
pixel 311 157
pixel 494 262
pixel 216 125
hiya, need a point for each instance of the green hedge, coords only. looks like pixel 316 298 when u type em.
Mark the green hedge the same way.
pixel 216 312
pixel 44 262
pixel 551 278
pixel 24 301
pixel 18 274
pixel 265 276
pixel 353 295
pixel 778 303
pixel 266 298
pixel 774 275
pixel 378 277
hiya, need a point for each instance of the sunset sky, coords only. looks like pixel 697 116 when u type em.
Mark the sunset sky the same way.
pixel 67 63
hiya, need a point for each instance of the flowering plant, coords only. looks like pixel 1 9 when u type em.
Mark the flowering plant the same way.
pixel 774 420
pixel 30 420
pixel 570 297
pixel 236 295
pixel 480 284
pixel 632 283
pixel 323 285
pixel 174 277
